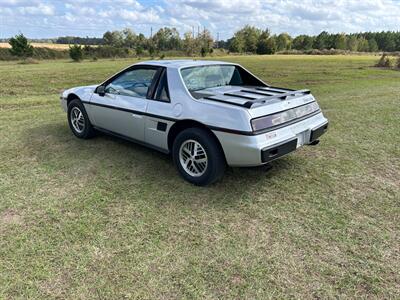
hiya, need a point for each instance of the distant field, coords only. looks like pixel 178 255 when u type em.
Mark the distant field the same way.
pixel 47 45
pixel 108 219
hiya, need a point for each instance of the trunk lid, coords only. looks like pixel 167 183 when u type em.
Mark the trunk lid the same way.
pixel 259 101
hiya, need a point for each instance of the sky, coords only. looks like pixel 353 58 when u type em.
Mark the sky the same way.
pixel 53 18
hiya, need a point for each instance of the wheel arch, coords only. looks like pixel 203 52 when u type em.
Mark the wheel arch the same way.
pixel 181 125
pixel 71 97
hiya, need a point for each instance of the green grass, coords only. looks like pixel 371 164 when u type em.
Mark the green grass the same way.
pixel 104 218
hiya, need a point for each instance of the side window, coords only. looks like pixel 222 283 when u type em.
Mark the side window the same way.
pixel 133 83
pixel 162 93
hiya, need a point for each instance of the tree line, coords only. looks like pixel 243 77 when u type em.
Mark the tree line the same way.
pixel 248 39
pixel 168 41
pixel 127 43
pixel 254 40
pixel 165 39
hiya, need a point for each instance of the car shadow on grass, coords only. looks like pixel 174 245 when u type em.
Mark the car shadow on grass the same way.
pixel 57 149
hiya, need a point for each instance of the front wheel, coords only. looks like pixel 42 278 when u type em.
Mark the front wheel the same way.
pixel 78 120
pixel 198 156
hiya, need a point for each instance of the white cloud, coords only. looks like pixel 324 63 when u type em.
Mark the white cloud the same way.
pixel 143 16
pixel 134 4
pixel 14 2
pixel 41 9
pixel 295 17
pixel 89 17
pixel 223 6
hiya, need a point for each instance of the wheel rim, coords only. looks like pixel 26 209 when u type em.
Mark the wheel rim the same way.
pixel 193 158
pixel 77 120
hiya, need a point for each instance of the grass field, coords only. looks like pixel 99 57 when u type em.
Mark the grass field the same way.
pixel 104 218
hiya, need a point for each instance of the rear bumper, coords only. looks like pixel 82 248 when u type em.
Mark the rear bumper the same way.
pixel 277 151
pixel 242 150
pixel 317 132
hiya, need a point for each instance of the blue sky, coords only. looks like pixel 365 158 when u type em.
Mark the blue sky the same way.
pixel 52 18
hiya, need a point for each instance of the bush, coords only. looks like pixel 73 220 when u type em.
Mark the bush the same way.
pixel 203 52
pixel 92 53
pixel 385 62
pixel 389 63
pixel 48 53
pixel 266 46
pixel 20 46
pixel 38 53
pixel 28 61
pixel 88 51
pixel 170 53
pixel 76 52
pixel 398 63
pixel 152 50
pixel 139 51
pixel 112 52
pixel 317 52
pixel 219 52
pixel 5 54
pixel 381 61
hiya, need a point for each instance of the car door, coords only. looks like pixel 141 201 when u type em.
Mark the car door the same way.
pixel 121 108
pixel 160 116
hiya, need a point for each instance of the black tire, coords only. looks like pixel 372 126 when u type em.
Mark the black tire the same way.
pixel 216 164
pixel 87 130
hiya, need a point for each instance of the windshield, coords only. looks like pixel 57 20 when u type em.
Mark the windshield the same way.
pixel 204 77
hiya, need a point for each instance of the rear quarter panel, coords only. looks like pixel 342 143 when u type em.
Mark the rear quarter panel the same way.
pixel 184 107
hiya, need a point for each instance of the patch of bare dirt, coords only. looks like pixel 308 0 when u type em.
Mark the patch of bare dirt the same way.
pixel 10 217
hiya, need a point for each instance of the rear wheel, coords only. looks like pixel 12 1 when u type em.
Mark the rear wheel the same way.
pixel 78 120
pixel 198 156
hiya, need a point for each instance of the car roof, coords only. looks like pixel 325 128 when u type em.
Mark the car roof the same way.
pixel 179 63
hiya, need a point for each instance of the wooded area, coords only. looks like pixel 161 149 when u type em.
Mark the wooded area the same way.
pixel 249 39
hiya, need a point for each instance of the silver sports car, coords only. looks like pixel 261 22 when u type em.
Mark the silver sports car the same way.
pixel 207 114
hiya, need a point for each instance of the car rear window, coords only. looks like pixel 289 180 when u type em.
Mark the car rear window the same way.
pixel 204 77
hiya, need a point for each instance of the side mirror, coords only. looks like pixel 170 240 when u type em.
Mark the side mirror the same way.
pixel 101 90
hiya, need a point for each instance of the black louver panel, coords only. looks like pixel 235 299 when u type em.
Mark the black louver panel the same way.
pixel 247 97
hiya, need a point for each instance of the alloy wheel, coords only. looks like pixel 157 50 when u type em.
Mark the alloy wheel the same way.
pixel 193 158
pixel 77 119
